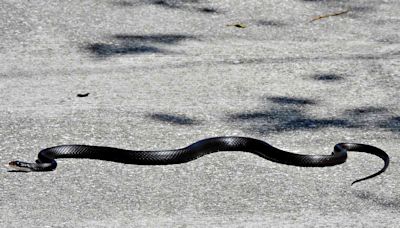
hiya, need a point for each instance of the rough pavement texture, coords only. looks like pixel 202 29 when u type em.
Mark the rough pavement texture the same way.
pixel 163 74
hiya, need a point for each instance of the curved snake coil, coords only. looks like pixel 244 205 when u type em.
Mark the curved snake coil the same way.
pixel 46 158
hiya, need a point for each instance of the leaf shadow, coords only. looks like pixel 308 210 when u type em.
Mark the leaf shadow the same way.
pixel 283 114
pixel 124 44
pixel 392 124
pixel 381 201
pixel 327 77
pixel 173 119
pixel 271 23
pixel 191 5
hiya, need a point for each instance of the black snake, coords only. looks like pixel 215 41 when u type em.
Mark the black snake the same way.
pixel 46 158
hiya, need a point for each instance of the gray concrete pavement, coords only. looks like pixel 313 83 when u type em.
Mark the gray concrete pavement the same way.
pixel 163 74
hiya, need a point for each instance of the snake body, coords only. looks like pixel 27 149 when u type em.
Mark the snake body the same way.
pixel 46 157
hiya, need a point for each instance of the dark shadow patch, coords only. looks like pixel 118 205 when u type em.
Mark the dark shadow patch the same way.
pixel 167 4
pixel 379 200
pixel 367 117
pixel 362 9
pixel 283 119
pixel 282 114
pixel 312 123
pixel 157 38
pixel 392 124
pixel 252 116
pixel 286 114
pixel 290 114
pixel 242 61
pixel 327 77
pixel 190 5
pixel 123 3
pixel 208 10
pixel 271 23
pixel 106 50
pixel 291 101
pixel 367 57
pixel 17 171
pixel 175 4
pixel 173 119
pixel 124 44
pixel 366 111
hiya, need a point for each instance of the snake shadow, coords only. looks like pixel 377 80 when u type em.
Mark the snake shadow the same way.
pixel 124 44
pixel 282 114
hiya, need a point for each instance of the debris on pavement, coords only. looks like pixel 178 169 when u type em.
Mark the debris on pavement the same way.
pixel 237 25
pixel 330 15
pixel 82 94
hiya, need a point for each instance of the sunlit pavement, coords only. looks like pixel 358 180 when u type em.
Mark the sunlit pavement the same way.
pixel 301 75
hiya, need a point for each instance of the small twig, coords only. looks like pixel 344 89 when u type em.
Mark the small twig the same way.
pixel 330 15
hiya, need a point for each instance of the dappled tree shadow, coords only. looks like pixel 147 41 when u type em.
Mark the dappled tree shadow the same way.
pixel 271 23
pixel 286 114
pixel 286 119
pixel 156 38
pixel 366 110
pixel 392 124
pixel 208 10
pixel 192 5
pixel 290 114
pixel 136 44
pixel 291 100
pixel 327 77
pixel 106 50
pixel 123 3
pixel 366 116
pixel 379 200
pixel 173 119
pixel 184 5
pixel 166 3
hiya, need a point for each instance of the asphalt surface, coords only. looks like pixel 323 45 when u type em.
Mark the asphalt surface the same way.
pixel 164 74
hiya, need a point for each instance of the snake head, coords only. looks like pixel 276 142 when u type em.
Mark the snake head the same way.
pixel 20 166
